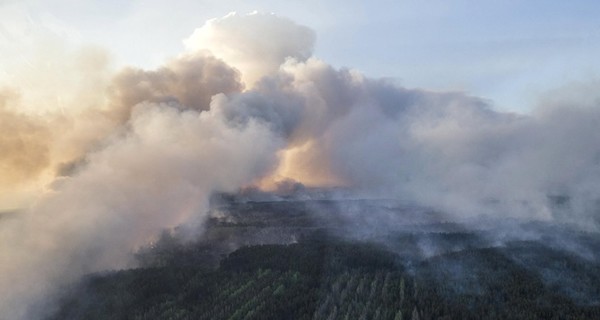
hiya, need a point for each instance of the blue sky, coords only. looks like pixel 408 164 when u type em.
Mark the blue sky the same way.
pixel 509 52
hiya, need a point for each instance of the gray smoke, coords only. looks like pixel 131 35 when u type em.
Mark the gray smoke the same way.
pixel 446 150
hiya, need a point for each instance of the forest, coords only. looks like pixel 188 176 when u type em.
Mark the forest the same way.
pixel 302 268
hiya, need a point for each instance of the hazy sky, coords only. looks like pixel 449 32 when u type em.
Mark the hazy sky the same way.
pixel 506 51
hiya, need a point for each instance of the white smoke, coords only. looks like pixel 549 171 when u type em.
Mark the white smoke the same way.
pixel 256 44
pixel 156 175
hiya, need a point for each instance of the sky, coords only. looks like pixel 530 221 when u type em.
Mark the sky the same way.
pixel 509 52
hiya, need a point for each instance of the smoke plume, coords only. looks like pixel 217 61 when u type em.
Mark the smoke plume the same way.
pixel 256 44
pixel 129 153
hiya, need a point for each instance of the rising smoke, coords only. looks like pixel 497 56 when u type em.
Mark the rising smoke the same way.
pixel 122 157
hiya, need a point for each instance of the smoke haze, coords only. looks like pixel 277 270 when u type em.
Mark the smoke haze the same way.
pixel 116 157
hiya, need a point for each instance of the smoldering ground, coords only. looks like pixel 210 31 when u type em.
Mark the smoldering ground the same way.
pixel 146 148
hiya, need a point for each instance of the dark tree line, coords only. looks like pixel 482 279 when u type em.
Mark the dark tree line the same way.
pixel 326 278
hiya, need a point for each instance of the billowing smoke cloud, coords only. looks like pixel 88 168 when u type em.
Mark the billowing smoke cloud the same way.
pixel 157 175
pixel 153 152
pixel 148 147
pixel 50 99
pixel 190 81
pixel 256 44
pixel 25 153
